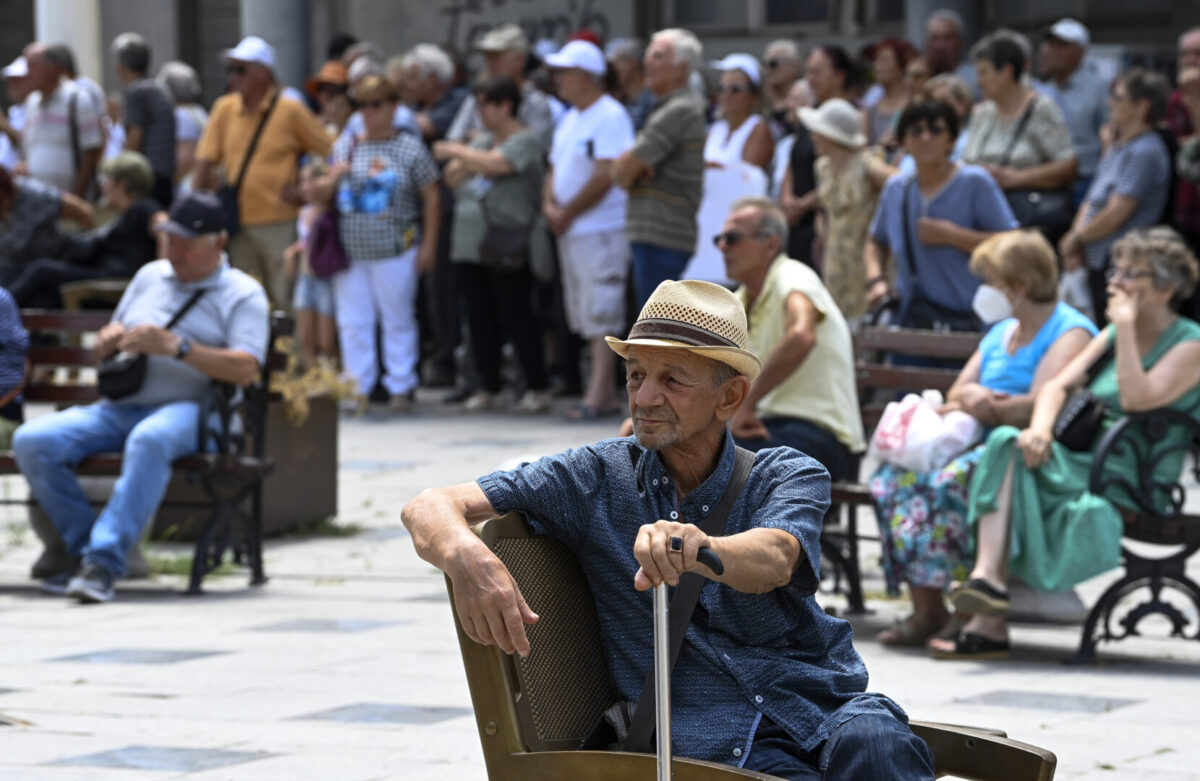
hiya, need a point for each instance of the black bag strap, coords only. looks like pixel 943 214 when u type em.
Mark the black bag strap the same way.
pixel 1098 365
pixel 237 186
pixel 683 604
pixel 1016 136
pixel 73 122
pixel 183 310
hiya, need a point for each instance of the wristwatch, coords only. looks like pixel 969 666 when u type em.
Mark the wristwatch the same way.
pixel 185 347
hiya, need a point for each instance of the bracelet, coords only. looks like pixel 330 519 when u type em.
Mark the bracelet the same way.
pixel 870 283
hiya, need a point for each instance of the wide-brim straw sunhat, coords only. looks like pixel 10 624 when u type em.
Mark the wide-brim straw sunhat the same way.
pixel 837 120
pixel 696 316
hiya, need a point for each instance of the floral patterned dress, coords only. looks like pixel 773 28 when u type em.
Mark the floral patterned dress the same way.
pixel 849 200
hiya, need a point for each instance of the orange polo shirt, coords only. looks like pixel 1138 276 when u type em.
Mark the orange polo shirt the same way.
pixel 290 131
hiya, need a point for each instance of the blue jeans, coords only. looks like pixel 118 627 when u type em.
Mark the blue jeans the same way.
pixel 811 440
pixel 868 747
pixel 48 448
pixel 654 265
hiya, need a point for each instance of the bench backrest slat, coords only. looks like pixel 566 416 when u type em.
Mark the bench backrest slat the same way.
pixel 82 321
pixel 909 341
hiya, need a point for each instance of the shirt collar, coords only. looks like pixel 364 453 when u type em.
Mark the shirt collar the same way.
pixel 703 499
pixel 210 281
pixel 743 295
pixel 262 104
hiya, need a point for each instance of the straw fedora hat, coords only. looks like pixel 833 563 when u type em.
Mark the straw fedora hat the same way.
pixel 837 120
pixel 700 317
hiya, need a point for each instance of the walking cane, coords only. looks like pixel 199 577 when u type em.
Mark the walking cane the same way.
pixel 662 665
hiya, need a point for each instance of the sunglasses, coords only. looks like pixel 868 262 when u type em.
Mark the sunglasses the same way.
pixel 773 64
pixel 733 89
pixel 731 238
pixel 236 70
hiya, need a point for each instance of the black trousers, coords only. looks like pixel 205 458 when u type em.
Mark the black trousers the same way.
pixel 500 304
pixel 37 285
pixel 164 191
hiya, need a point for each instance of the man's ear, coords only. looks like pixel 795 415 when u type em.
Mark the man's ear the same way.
pixel 733 395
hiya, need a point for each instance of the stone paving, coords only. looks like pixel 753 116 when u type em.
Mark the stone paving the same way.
pixel 345 666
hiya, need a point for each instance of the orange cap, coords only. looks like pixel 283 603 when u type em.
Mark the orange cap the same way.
pixel 332 72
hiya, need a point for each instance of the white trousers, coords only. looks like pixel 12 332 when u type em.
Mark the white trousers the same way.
pixel 384 293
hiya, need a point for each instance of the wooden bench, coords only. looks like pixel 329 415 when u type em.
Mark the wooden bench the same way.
pixel 534 713
pixel 229 463
pixel 1155 515
pixel 878 383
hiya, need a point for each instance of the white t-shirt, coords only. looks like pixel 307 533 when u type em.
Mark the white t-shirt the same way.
pixel 10 155
pixel 47 135
pixel 602 131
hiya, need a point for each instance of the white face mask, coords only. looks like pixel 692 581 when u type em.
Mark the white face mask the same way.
pixel 991 305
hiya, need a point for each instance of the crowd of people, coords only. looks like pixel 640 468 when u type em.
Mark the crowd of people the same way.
pixel 418 222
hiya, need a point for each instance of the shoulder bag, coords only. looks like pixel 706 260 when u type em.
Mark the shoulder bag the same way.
pixel 504 250
pixel 122 374
pixel 229 193
pixel 1050 211
pixel 918 310
pixel 1082 414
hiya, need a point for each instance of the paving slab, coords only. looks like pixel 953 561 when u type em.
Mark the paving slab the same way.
pixel 346 666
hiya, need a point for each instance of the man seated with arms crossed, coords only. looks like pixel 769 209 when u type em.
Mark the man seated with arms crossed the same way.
pixel 222 336
pixel 778 675
pixel 806 396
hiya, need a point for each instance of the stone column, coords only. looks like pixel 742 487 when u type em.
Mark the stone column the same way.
pixel 284 25
pixel 77 24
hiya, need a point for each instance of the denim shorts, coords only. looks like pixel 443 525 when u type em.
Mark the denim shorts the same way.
pixel 313 294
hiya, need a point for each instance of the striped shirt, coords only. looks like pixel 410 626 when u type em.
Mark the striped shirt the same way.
pixel 14 343
pixel 662 208
pixel 1139 169
pixel 148 106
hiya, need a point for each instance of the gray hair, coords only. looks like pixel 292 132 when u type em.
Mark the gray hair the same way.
pixel 363 49
pixel 1171 260
pixel 60 56
pixel 1141 84
pixel 953 17
pixel 132 51
pixel 684 43
pixel 789 48
pixel 624 49
pixel 181 80
pixel 430 60
pixel 957 87
pixel 131 169
pixel 771 219
pixel 722 373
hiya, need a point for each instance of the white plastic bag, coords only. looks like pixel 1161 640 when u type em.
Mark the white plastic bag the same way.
pixel 1075 290
pixel 912 435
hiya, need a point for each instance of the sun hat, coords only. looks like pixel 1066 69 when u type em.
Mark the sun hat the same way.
pixel 1069 31
pixel 696 316
pixel 253 49
pixel 740 62
pixel 506 37
pixel 579 54
pixel 837 120
pixel 16 69
pixel 332 72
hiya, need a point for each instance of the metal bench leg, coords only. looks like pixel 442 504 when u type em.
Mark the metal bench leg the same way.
pixel 228 493
pixel 856 605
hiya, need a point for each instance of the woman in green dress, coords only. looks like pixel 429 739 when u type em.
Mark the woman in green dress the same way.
pixel 1030 507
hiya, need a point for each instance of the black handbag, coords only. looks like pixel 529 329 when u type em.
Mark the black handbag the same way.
pixel 1050 211
pixel 228 194
pixel 504 250
pixel 918 310
pixel 1082 414
pixel 123 374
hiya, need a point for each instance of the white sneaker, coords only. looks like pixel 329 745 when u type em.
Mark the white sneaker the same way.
pixel 479 401
pixel 534 402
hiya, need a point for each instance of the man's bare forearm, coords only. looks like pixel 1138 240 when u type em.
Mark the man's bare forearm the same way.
pixel 758 560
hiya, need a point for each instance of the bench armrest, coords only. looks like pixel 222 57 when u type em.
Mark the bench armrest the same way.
pixel 1144 438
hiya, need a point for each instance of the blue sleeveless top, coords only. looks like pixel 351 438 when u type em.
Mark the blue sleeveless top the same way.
pixel 1014 373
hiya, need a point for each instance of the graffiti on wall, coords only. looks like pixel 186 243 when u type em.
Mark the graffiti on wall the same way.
pixel 468 20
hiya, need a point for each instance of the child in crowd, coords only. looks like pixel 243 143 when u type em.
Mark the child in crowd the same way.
pixel 312 302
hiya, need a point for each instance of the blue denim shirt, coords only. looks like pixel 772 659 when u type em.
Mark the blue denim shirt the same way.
pixel 746 655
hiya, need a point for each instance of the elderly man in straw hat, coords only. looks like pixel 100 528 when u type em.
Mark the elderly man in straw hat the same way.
pixel 780 677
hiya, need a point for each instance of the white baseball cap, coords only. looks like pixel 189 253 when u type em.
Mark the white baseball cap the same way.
pixel 579 54
pixel 253 49
pixel 1070 31
pixel 16 69
pixel 740 62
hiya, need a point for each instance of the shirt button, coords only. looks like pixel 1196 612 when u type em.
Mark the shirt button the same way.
pixel 737 752
pixel 726 657
pixel 674 515
pixel 758 698
pixel 656 481
pixel 704 508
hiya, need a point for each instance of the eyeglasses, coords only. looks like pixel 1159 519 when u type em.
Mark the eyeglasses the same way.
pixel 733 89
pixel 1117 273
pixel 773 64
pixel 236 70
pixel 920 130
pixel 731 238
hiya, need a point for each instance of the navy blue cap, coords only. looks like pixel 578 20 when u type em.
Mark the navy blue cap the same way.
pixel 195 214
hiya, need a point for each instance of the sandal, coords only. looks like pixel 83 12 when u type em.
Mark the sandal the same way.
pixel 978 597
pixel 911 632
pixel 586 412
pixel 972 645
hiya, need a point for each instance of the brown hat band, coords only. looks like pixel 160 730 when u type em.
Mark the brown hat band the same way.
pixel 673 330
